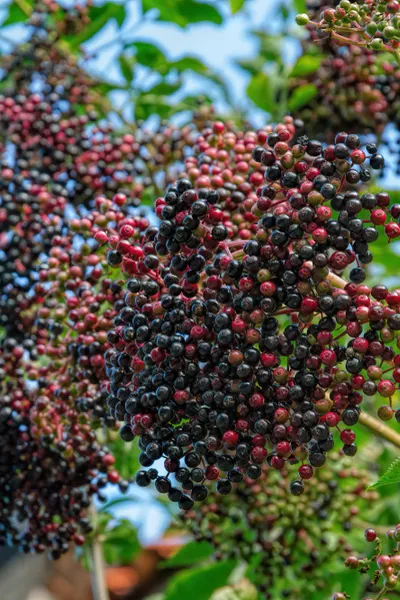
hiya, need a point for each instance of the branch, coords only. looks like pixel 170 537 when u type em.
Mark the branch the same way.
pixel 99 587
pixel 379 428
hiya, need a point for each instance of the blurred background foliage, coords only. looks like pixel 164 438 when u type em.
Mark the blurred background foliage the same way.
pixel 153 60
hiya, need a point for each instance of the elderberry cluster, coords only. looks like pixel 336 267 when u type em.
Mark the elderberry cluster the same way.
pixel 386 565
pixel 238 342
pixel 271 532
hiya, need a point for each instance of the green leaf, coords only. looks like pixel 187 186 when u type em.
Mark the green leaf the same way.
pixel 300 6
pixel 392 475
pixel 116 502
pixel 151 56
pixel 151 104
pixel 199 583
pixel 306 65
pixel 121 543
pixel 189 63
pixel 252 65
pixel 183 12
pixel 260 91
pixel 236 5
pixel 99 16
pixel 16 14
pixel 190 554
pixel 301 96
pixel 198 12
pixel 270 45
pixel 126 64
pixel 164 89
pixel 148 196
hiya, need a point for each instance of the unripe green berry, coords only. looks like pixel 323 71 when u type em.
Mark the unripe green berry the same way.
pixel 377 44
pixel 302 19
pixel 345 4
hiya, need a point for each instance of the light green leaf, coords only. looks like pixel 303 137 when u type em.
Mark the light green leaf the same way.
pixel 301 96
pixel 392 475
pixel 252 65
pixel 260 91
pixel 16 14
pixel 306 65
pixel 190 554
pixel 270 45
pixel 300 6
pixel 236 5
pixel 199 583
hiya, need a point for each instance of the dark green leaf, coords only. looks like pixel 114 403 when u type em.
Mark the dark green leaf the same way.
pixel 16 14
pixel 306 65
pixel 151 56
pixel 301 96
pixel 199 583
pixel 392 475
pixel 190 554
pixel 260 91
pixel 148 196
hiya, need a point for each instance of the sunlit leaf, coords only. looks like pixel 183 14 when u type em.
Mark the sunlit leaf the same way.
pixel 300 6
pixel 121 543
pixel 260 91
pixel 199 583
pixel 236 5
pixel 306 65
pixel 183 12
pixel 150 55
pixel 190 554
pixel 301 96
pixel 16 14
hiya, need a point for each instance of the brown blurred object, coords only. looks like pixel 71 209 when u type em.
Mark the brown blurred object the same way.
pixel 68 580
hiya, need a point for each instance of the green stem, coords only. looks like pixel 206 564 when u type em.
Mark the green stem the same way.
pixel 381 593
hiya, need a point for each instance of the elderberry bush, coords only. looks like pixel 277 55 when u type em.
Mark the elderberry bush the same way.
pixel 239 343
pixel 273 533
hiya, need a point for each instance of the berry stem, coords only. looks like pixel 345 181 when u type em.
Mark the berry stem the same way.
pixel 99 587
pixel 381 593
pixel 379 428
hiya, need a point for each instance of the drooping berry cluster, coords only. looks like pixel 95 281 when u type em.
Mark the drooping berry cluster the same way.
pixel 271 532
pixel 386 565
pixel 237 343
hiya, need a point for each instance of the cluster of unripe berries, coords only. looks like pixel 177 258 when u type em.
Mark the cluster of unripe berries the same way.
pixel 260 525
pixel 238 342
pixel 373 23
pixel 386 565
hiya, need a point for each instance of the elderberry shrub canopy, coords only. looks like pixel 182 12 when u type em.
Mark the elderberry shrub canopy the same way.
pixel 239 343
